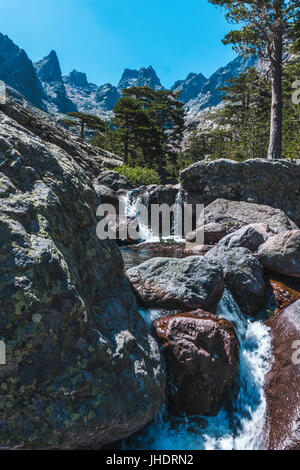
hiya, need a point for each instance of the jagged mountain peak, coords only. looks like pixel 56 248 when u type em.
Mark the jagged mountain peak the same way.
pixel 190 87
pixel 145 76
pixel 78 79
pixel 17 71
pixel 48 68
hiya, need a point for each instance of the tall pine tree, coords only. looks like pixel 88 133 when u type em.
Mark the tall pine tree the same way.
pixel 265 25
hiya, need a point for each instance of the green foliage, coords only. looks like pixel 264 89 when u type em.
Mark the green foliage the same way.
pixel 259 20
pixel 265 25
pixel 150 125
pixel 139 176
pixel 82 120
pixel 109 140
pixel 242 130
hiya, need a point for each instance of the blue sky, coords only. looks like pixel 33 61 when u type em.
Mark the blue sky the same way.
pixel 102 37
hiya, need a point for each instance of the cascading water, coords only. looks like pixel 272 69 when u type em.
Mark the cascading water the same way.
pixel 131 208
pixel 178 220
pixel 239 428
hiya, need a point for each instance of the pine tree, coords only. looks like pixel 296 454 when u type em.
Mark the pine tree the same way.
pixel 265 25
pixel 84 120
pixel 151 124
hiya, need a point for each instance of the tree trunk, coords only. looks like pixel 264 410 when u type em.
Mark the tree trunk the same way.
pixel 82 129
pixel 126 148
pixel 275 144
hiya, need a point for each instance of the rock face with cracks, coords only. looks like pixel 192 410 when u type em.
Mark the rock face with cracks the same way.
pixel 81 368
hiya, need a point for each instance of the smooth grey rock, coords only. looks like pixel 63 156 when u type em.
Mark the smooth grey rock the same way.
pixel 260 181
pixel 282 253
pixel 250 237
pixel 243 275
pixel 237 214
pixel 113 180
pixel 213 232
pixel 178 284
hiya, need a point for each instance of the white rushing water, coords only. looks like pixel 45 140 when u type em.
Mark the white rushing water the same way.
pixel 132 208
pixel 239 428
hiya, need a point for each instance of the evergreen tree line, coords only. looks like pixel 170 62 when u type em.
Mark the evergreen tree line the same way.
pixel 242 125
pixel 147 128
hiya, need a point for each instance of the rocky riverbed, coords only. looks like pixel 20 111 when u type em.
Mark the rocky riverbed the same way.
pixel 184 347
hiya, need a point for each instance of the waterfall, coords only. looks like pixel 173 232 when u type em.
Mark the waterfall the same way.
pixel 131 208
pixel 178 217
pixel 242 426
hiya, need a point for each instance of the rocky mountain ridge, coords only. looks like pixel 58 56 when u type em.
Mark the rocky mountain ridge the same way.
pixel 44 87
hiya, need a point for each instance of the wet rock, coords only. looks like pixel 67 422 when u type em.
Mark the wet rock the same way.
pixel 178 284
pixel 120 228
pixel 108 196
pixel 281 253
pixel 176 249
pixel 202 358
pixel 282 295
pixel 75 343
pixel 282 384
pixel 213 233
pixel 243 275
pixel 250 237
pixel 237 214
pixel 113 180
pixel 260 181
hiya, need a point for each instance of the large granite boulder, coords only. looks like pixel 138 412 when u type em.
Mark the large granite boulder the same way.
pixel 282 253
pixel 90 158
pixel 260 181
pixel 243 275
pixel 213 233
pixel 81 367
pixel 250 237
pixel 202 358
pixel 237 214
pixel 282 383
pixel 178 284
pixel 113 180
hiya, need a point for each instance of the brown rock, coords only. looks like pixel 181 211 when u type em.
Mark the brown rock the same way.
pixel 282 384
pixel 283 295
pixel 213 233
pixel 202 357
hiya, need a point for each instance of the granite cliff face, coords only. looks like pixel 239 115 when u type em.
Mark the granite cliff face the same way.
pixel 190 87
pixel 49 73
pixel 74 339
pixel 89 97
pixel 17 71
pixel 43 86
pixel 143 77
